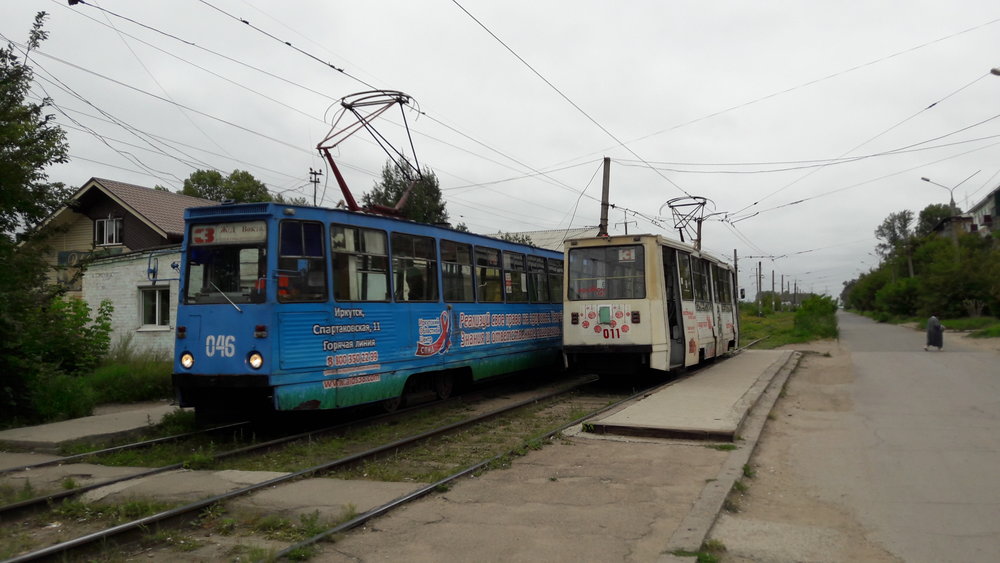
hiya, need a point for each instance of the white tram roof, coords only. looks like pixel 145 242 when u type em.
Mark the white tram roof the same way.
pixel 660 240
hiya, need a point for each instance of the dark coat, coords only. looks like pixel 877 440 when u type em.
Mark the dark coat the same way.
pixel 935 332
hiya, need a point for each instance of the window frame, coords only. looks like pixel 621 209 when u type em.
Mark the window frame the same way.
pixel 538 280
pixel 466 273
pixel 428 264
pixel 367 258
pixel 161 313
pixel 556 279
pixel 511 275
pixel 286 284
pixel 105 237
pixel 613 277
pixel 485 282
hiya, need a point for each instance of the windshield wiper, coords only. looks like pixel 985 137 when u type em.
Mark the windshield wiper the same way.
pixel 226 297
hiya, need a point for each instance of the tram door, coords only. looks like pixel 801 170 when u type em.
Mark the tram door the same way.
pixel 673 300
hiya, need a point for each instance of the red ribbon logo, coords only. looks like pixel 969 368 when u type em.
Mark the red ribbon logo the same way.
pixel 439 346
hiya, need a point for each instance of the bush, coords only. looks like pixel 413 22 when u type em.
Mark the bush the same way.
pixel 900 297
pixel 57 396
pixel 817 317
pixel 134 381
pixel 52 341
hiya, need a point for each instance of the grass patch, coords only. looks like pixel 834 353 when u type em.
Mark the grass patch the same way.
pixel 10 494
pixel 988 332
pixel 113 513
pixel 722 447
pixel 814 320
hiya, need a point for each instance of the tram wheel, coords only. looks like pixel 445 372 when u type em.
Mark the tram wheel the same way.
pixel 444 385
pixel 392 404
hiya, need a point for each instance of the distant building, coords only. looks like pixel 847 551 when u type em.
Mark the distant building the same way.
pixel 984 214
pixel 553 239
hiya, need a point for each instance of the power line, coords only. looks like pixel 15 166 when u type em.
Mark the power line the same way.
pixel 564 96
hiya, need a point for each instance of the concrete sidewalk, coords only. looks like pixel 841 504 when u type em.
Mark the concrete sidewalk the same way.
pixel 125 419
pixel 627 489
pixel 710 404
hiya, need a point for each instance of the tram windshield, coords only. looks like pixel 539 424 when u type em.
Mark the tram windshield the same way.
pixel 607 272
pixel 226 263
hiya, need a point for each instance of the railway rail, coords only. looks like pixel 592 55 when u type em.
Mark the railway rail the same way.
pixel 44 501
pixel 82 543
pixel 121 448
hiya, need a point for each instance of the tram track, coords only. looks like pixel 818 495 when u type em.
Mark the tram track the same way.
pixel 65 549
pixel 121 448
pixel 43 501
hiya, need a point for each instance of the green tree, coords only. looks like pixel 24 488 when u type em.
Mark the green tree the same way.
pixel 895 236
pixel 29 141
pixel 515 237
pixel 425 203
pixel 931 215
pixel 43 337
pixel 240 186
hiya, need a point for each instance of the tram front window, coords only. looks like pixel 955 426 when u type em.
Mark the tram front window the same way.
pixel 226 264
pixel 611 272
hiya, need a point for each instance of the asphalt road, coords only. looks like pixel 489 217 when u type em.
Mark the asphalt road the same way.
pixel 918 457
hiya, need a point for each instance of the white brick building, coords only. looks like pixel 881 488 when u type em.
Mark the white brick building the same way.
pixel 144 311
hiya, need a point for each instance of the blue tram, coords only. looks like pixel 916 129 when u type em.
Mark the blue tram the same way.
pixel 287 308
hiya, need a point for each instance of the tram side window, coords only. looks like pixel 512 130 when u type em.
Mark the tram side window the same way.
pixel 456 271
pixel 414 268
pixel 489 287
pixel 723 285
pixel 684 271
pixel 515 278
pixel 538 283
pixel 360 264
pixel 555 273
pixel 699 270
pixel 301 262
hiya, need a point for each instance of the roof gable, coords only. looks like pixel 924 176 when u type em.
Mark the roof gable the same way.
pixel 162 210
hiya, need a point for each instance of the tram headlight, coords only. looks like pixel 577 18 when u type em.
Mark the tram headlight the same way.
pixel 187 360
pixel 255 360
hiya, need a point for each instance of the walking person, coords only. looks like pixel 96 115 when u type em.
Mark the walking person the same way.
pixel 935 333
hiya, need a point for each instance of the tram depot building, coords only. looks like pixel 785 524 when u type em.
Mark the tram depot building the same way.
pixel 122 231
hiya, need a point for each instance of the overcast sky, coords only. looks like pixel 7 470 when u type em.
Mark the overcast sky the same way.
pixel 764 108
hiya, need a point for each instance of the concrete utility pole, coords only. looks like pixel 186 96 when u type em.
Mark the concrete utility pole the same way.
pixel 605 188
pixel 314 180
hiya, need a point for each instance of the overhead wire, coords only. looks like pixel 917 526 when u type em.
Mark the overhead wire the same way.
pixel 298 84
pixel 813 82
pixel 152 76
pixel 561 94
pixel 811 172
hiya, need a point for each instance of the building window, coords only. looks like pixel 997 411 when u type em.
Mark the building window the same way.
pixel 107 231
pixel 155 305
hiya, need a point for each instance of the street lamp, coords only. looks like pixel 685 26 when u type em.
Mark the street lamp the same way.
pixel 951 191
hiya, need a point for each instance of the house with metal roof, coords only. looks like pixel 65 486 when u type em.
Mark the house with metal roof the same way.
pixel 102 244
pixel 105 217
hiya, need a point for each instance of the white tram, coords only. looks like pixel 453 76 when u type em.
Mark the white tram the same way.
pixel 639 302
